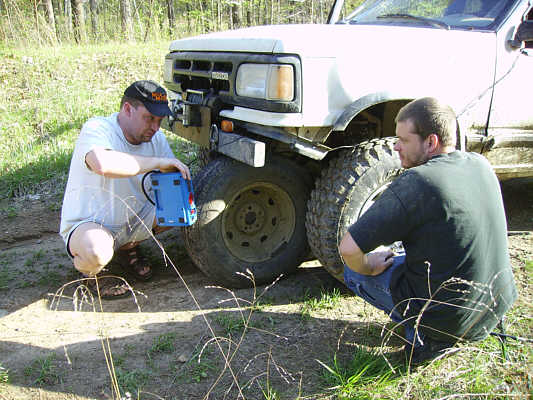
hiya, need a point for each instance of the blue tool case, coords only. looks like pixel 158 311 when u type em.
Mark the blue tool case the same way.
pixel 174 199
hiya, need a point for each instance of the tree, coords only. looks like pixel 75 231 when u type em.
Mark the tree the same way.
pixel 171 16
pixel 93 7
pixel 78 21
pixel 126 19
pixel 236 14
pixel 51 19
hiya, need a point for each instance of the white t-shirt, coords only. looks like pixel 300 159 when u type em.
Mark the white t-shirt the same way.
pixel 110 201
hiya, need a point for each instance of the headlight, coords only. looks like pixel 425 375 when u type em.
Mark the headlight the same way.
pixel 266 81
pixel 167 70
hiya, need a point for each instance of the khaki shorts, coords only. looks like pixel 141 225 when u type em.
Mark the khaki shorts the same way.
pixel 136 229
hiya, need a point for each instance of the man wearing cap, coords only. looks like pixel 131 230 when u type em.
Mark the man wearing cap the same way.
pixel 105 213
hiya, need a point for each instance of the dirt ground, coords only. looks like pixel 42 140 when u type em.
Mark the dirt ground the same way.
pixel 55 348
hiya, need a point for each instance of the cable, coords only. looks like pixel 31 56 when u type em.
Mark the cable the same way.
pixel 142 186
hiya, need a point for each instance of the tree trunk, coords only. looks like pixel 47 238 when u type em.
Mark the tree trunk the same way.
pixel 94 17
pixel 236 14
pixel 68 18
pixel 202 17
pixel 51 19
pixel 148 20
pixel 78 20
pixel 248 17
pixel 171 16
pixel 36 16
pixel 126 20
pixel 188 17
pixel 219 16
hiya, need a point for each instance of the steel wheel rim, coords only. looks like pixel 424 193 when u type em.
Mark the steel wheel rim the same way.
pixel 258 221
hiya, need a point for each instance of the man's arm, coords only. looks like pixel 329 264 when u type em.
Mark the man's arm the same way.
pixel 116 164
pixel 356 260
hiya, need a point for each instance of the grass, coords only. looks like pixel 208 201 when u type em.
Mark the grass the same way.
pixel 9 211
pixel 367 375
pixel 4 374
pixel 328 300
pixel 164 343
pixel 529 267
pixel 6 276
pixel 43 371
pixel 230 324
pixel 268 392
pixel 132 380
pixel 480 371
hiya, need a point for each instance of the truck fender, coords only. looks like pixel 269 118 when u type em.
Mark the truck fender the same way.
pixel 372 99
pixel 367 101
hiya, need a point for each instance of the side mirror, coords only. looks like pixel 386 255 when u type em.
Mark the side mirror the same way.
pixel 524 33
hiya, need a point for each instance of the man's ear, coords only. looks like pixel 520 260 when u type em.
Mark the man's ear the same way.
pixel 433 143
pixel 127 108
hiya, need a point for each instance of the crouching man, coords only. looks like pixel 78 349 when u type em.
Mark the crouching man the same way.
pixel 105 213
pixel 455 279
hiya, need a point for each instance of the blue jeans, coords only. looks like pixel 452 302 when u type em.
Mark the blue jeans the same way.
pixel 376 291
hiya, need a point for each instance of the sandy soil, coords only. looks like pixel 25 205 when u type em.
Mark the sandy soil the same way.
pixel 55 347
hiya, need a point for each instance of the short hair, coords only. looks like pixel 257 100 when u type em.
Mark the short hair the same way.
pixel 428 115
pixel 134 102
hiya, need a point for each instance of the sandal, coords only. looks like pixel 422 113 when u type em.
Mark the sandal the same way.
pixel 134 262
pixel 110 287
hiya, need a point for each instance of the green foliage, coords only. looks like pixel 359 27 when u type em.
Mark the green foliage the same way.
pixel 6 276
pixel 164 343
pixel 529 268
pixel 198 367
pixel 269 393
pixel 129 380
pixel 10 212
pixel 4 375
pixel 366 376
pixel 327 301
pixel 43 371
pixel 200 370
pixel 132 381
pixel 230 324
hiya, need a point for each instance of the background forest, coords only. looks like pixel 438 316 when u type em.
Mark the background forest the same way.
pixel 94 21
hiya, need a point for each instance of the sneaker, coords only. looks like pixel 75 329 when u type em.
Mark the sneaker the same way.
pixel 430 350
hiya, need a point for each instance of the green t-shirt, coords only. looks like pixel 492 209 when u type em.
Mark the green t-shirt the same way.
pixel 449 215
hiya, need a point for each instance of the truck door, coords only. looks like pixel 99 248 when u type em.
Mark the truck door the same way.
pixel 510 129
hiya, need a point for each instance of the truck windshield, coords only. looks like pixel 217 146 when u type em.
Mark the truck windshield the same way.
pixel 447 14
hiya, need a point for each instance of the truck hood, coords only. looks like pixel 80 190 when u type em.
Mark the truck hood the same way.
pixel 314 40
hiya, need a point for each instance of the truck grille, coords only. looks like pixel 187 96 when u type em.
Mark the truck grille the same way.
pixel 203 74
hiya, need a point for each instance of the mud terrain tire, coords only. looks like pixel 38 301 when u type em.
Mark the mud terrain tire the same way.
pixel 344 192
pixel 249 218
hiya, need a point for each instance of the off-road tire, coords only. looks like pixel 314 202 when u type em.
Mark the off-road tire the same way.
pixel 203 156
pixel 249 218
pixel 343 192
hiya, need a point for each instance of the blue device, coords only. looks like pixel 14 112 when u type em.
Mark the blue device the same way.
pixel 174 199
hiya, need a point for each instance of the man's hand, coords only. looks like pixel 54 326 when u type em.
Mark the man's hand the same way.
pixel 379 261
pixel 173 164
pixel 356 260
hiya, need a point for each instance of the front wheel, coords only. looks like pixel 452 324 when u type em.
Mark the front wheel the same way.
pixel 347 188
pixel 249 218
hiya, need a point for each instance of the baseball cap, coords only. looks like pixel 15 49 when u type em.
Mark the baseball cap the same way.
pixel 153 97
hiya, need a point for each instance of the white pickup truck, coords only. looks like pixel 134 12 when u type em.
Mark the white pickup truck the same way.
pixel 298 120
